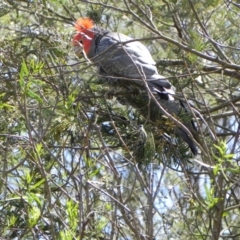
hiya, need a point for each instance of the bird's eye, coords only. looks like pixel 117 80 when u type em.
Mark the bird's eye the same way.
pixel 81 41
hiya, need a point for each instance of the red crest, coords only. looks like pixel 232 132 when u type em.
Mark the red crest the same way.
pixel 83 23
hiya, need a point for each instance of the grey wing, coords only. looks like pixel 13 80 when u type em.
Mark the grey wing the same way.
pixel 127 59
pixel 130 60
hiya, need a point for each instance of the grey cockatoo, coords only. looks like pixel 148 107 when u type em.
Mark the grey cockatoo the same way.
pixel 129 62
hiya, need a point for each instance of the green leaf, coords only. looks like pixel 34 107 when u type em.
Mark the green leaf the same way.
pixel 12 220
pixel 229 156
pixel 216 169
pixel 34 197
pixel 23 73
pixel 36 185
pixel 94 173
pixel 35 96
pixel 33 216
pixel 39 148
pixel 28 177
pixel 6 106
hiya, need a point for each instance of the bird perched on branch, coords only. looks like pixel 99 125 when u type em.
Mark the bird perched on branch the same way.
pixel 128 62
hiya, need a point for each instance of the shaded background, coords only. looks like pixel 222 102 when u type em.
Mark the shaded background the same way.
pixel 68 168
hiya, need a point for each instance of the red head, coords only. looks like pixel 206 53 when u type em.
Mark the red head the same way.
pixel 84 35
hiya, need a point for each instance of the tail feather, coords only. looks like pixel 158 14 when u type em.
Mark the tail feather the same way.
pixel 177 108
pixel 183 135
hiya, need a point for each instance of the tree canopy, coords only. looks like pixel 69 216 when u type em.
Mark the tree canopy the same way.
pixel 71 166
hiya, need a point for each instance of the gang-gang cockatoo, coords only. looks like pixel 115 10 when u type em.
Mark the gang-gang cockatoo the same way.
pixel 126 61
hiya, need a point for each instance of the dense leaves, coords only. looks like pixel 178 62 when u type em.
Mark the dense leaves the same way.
pixel 70 165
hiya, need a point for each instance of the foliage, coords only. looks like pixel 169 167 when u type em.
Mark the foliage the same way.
pixel 69 168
